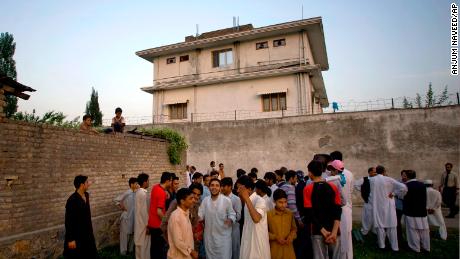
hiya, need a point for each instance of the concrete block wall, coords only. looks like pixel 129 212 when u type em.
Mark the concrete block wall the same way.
pixel 37 166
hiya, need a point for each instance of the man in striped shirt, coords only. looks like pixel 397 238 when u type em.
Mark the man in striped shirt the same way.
pixel 288 187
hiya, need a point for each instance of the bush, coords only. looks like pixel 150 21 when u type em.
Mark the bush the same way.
pixel 177 142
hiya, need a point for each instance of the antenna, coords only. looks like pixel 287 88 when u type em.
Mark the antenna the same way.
pixel 234 21
pixel 197 31
pixel 238 23
pixel 302 12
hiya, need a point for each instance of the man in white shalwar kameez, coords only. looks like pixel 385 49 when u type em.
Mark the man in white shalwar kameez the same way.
pixel 383 189
pixel 218 215
pixel 126 203
pixel 366 217
pixel 227 187
pixel 141 216
pixel 254 240
pixel 433 207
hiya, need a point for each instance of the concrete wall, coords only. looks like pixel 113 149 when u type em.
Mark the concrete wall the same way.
pixel 421 139
pixel 41 161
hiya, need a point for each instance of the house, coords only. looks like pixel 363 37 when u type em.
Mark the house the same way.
pixel 240 72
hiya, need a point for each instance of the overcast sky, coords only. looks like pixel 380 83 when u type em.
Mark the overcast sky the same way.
pixel 376 49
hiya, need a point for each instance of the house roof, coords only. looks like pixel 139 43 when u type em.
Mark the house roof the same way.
pixel 313 27
pixel 13 87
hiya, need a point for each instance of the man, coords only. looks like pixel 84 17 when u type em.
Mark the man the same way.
pixel 227 185
pixel 302 244
pixel 180 231
pixel 206 192
pixel 289 189
pixel 86 126
pixel 255 171
pixel 383 189
pixel 172 190
pixel 255 230
pixel 398 204
pixel 118 122
pixel 323 209
pixel 449 188
pixel 279 178
pixel 218 215
pixel 433 208
pixel 79 239
pixel 197 178
pixel 188 174
pixel 141 218
pixel 364 187
pixel 263 191
pixel 212 167
pixel 157 211
pixel 125 202
pixel 253 176
pixel 240 172
pixel 214 175
pixel 270 179
pixel 414 209
pixel 346 220
pixel 221 171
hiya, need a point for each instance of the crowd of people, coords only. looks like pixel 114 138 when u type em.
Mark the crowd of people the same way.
pixel 284 214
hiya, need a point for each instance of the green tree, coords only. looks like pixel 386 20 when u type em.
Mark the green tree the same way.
pixel 8 67
pixel 406 103
pixel 92 108
pixel 430 99
pixel 444 97
pixel 418 100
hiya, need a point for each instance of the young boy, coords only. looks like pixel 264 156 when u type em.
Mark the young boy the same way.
pixel 323 209
pixel 118 122
pixel 281 228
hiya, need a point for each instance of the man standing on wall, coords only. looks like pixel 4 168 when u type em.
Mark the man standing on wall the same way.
pixel 157 212
pixel 449 190
pixel 79 239
pixel 141 218
pixel 125 202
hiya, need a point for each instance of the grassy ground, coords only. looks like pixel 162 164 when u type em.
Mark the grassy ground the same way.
pixel 367 249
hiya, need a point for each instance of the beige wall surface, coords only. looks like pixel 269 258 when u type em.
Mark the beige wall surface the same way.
pixel 419 139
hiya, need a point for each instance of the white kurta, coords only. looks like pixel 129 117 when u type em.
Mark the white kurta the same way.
pixel 141 214
pixel 236 203
pixel 433 202
pixel 384 208
pixel 269 202
pixel 366 217
pixel 255 243
pixel 217 235
pixel 346 220
pixel 126 219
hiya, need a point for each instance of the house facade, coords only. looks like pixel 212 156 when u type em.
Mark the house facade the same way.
pixel 240 73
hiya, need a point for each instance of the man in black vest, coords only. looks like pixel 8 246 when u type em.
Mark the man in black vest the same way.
pixel 414 208
pixel 363 185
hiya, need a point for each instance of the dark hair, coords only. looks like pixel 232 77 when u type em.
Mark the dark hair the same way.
pixel 411 174
pixel 315 167
pixel 226 181
pixel 448 163
pixel 86 116
pixel 221 164
pixel 212 162
pixel 279 173
pixel 214 180
pixel 403 172
pixel 175 178
pixel 132 180
pixel 254 170
pixel 206 176
pixel 142 178
pixel 196 186
pixel 118 109
pixel 370 169
pixel 246 182
pixel 196 175
pixel 262 186
pixel 336 155
pixel 252 175
pixel 270 176
pixel 290 174
pixel 279 194
pixel 380 169
pixel 283 169
pixel 182 194
pixel 165 176
pixel 79 180
pixel 240 172
pixel 193 167
pixel 213 172
pixel 324 159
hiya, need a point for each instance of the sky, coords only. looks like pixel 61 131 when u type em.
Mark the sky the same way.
pixel 376 49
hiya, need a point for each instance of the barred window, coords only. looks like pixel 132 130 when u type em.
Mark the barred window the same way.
pixel 178 111
pixel 280 42
pixel 262 45
pixel 274 102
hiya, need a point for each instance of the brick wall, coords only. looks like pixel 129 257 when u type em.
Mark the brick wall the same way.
pixel 37 166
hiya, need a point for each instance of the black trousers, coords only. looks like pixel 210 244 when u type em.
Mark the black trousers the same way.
pixel 449 195
pixel 158 244
pixel 399 214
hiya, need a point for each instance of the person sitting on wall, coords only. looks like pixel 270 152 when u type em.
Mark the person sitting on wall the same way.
pixel 86 125
pixel 118 122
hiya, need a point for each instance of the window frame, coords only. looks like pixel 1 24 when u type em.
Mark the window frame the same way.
pixel 277 97
pixel 174 111
pixel 262 45
pixel 279 42
pixel 171 60
pixel 216 58
pixel 184 58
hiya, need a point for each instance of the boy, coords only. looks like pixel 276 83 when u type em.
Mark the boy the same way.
pixel 281 228
pixel 118 122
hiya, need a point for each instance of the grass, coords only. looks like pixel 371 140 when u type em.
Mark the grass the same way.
pixel 367 249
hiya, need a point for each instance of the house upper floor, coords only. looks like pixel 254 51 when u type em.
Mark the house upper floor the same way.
pixel 239 53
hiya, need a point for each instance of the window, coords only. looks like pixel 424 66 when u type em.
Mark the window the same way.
pixel 178 111
pixel 274 102
pixel 262 45
pixel 222 58
pixel 183 58
pixel 171 60
pixel 280 42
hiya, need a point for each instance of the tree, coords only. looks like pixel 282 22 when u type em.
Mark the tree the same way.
pixel 430 100
pixel 406 103
pixel 444 97
pixel 8 67
pixel 418 100
pixel 92 108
